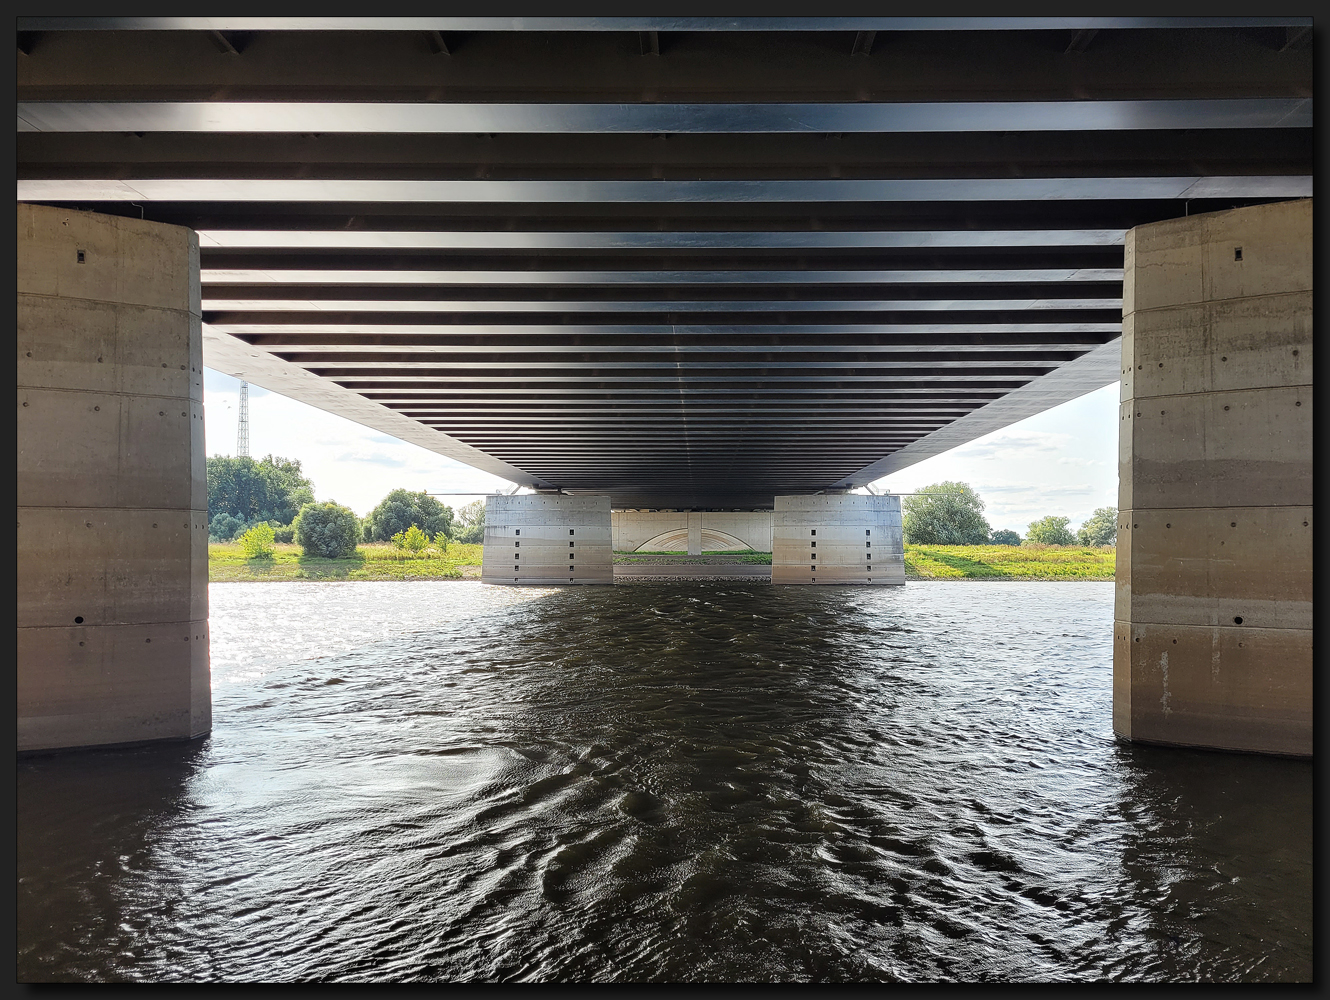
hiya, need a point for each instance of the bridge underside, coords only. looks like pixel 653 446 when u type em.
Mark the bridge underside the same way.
pixel 680 266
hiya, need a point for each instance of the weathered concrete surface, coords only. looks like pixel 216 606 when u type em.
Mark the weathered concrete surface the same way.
pixel 547 540
pixel 838 539
pixel 1213 641
pixel 669 530
pixel 712 571
pixel 112 489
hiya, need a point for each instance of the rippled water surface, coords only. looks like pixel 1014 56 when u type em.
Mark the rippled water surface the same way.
pixel 678 782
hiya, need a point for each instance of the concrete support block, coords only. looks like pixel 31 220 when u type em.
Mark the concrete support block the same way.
pixel 694 532
pixel 1214 574
pixel 112 485
pixel 547 540
pixel 838 539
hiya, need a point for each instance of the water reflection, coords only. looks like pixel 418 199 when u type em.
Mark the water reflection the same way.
pixel 673 782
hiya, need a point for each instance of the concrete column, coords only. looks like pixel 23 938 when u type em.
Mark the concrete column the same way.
pixel 546 540
pixel 694 532
pixel 838 539
pixel 112 488
pixel 1213 633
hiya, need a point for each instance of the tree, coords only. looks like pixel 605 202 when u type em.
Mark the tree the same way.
pixel 271 489
pixel 955 517
pixel 1005 537
pixel 471 523
pixel 400 510
pixel 1050 530
pixel 224 527
pixel 327 529
pixel 1101 528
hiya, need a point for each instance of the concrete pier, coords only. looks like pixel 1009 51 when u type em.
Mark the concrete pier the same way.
pixel 547 540
pixel 112 491
pixel 847 538
pixel 1213 634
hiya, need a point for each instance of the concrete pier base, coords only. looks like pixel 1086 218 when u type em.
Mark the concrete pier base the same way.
pixel 112 489
pixel 547 540
pixel 841 539
pixel 1213 633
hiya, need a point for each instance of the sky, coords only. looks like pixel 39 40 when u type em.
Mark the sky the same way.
pixel 1062 461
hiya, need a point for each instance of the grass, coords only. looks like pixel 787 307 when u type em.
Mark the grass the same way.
pixel 227 563
pixel 380 561
pixel 1010 562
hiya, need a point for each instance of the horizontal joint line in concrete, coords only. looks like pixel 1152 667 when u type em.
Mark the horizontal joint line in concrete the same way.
pixel 1226 392
pixel 75 390
pixel 110 302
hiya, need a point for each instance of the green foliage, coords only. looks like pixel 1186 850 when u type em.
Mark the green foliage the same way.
pixel 379 561
pixel 411 540
pixel 401 510
pixel 1050 530
pixel 224 527
pixel 470 529
pixel 1005 536
pixel 1008 562
pixel 327 529
pixel 285 534
pixel 1101 528
pixel 258 542
pixel 441 541
pixel 953 518
pixel 272 489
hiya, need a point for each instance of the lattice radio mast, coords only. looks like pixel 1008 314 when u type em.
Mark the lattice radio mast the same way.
pixel 242 431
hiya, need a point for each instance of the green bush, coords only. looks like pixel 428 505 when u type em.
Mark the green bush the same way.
pixel 327 529
pixel 411 540
pixel 284 534
pixel 1050 530
pixel 225 527
pixel 441 542
pixel 401 510
pixel 472 534
pixel 469 528
pixel 1005 536
pixel 258 542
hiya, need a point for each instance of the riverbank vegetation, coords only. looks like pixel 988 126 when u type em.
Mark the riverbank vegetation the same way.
pixel 227 563
pixel 1009 562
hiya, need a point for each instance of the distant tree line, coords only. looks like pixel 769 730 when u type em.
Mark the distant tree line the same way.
pixel 260 503
pixel 952 513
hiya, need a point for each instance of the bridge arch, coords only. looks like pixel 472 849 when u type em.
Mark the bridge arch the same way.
pixel 676 540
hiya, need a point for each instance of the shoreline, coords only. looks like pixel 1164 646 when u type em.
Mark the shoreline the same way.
pixel 923 563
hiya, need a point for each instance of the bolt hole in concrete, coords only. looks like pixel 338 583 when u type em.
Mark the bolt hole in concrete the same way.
pixel 82 257
pixel 1237 253
pixel 1237 620
pixel 78 619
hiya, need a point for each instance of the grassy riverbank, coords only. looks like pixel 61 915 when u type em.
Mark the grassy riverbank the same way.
pixel 227 564
pixel 1009 562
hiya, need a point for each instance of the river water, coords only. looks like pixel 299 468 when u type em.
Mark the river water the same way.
pixel 451 781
